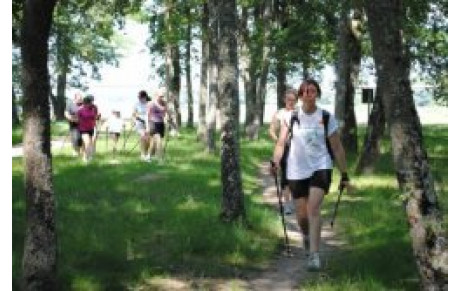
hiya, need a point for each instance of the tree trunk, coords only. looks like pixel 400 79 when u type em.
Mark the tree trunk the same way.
pixel 211 113
pixel 201 130
pixel 375 130
pixel 280 81
pixel 261 89
pixel 429 239
pixel 249 72
pixel 39 259
pixel 281 70
pixel 172 82
pixel 59 101
pixel 246 67
pixel 175 83
pixel 15 114
pixel 348 70
pixel 232 191
pixel 188 71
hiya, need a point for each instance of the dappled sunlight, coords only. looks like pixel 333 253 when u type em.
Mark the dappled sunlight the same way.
pixel 190 204
pixel 86 283
pixel 137 224
pixel 78 207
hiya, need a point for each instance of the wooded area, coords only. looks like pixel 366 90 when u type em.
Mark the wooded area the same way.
pixel 261 42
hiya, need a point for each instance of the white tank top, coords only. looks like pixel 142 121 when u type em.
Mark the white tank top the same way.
pixel 308 152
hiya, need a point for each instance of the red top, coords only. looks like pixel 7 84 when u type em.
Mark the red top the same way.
pixel 87 115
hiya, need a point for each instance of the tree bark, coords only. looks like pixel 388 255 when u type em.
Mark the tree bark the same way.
pixel 188 71
pixel 281 70
pixel 375 130
pixel 201 131
pixel 261 89
pixel 15 115
pixel 246 67
pixel 211 113
pixel 171 70
pixel 232 191
pixel 429 239
pixel 39 259
pixel 348 71
pixel 175 83
pixel 249 69
pixel 59 101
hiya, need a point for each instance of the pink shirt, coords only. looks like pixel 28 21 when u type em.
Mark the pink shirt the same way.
pixel 87 117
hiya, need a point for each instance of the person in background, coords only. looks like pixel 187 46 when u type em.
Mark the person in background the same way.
pixel 156 111
pixel 140 123
pixel 284 115
pixel 114 127
pixel 309 164
pixel 87 115
pixel 70 114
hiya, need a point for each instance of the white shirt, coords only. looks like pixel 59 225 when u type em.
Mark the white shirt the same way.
pixel 115 124
pixel 308 152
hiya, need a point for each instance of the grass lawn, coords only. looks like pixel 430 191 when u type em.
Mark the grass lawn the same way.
pixel 122 225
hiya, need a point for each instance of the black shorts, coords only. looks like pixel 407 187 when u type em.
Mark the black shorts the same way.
pixel 157 128
pixel 90 132
pixel 320 179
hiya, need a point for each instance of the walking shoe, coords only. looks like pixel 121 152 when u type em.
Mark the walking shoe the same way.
pixel 314 263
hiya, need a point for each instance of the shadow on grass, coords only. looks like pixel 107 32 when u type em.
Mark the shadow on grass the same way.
pixel 378 253
pixel 116 230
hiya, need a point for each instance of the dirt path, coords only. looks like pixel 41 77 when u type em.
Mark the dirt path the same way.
pixel 284 273
pixel 56 145
pixel 288 272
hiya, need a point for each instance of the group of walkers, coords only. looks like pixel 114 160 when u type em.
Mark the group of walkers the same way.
pixel 148 121
pixel 307 143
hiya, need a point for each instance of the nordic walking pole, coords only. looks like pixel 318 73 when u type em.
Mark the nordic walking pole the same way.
pixel 286 239
pixel 135 145
pixel 65 140
pixel 336 208
pixel 106 138
pixel 166 141
pixel 127 136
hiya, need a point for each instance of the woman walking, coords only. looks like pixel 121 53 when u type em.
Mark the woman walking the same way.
pixel 309 163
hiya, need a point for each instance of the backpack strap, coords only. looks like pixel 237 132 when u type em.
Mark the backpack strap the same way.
pixel 326 116
pixel 294 119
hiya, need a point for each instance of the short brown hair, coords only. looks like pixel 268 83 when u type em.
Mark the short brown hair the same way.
pixel 305 83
